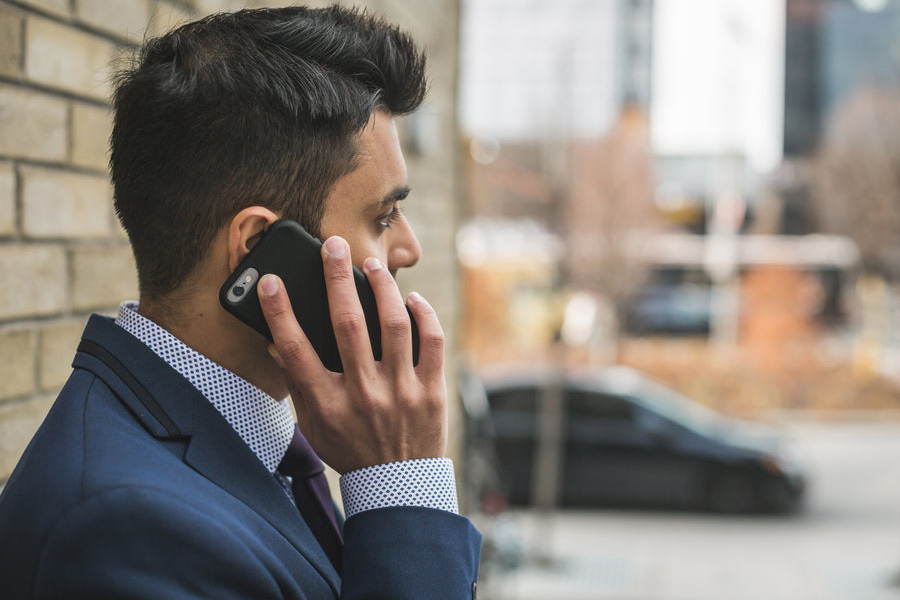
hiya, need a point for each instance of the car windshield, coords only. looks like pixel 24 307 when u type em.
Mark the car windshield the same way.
pixel 678 408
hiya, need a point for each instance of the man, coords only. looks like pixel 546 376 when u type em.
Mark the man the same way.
pixel 168 467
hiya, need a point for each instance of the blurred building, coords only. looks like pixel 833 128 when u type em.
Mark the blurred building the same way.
pixel 717 79
pixel 719 67
pixel 551 91
pixel 552 68
pixel 842 84
pixel 687 183
pixel 536 76
pixel 636 52
pixel 833 48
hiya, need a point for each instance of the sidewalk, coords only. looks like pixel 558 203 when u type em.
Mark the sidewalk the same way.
pixel 844 545
pixel 630 556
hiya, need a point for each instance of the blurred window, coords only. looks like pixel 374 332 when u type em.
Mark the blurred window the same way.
pixel 515 400
pixel 595 419
pixel 513 412
pixel 585 404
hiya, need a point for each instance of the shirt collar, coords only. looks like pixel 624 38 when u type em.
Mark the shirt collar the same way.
pixel 266 425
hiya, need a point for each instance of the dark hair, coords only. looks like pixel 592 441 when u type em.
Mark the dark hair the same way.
pixel 257 107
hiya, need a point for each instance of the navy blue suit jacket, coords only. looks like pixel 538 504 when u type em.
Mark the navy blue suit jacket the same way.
pixel 136 487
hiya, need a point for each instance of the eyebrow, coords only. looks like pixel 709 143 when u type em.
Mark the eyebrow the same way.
pixel 396 195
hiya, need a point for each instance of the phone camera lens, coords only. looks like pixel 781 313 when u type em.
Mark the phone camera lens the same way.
pixel 237 290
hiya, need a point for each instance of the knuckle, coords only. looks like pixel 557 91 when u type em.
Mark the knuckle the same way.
pixel 436 394
pixel 397 324
pixel 404 395
pixel 291 350
pixel 435 390
pixel 414 397
pixel 370 405
pixel 349 323
pixel 435 339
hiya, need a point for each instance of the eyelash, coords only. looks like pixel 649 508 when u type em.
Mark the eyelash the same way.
pixel 391 218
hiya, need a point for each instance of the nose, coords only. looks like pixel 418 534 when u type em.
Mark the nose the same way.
pixel 405 250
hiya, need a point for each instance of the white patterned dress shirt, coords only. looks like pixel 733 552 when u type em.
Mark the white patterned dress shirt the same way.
pixel 266 425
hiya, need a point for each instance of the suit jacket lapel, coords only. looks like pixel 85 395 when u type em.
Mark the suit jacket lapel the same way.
pixel 214 449
pixel 233 467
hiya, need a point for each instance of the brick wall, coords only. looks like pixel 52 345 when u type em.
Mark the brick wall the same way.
pixel 62 252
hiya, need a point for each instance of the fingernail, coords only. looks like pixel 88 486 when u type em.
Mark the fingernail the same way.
pixel 335 247
pixel 268 285
pixel 415 297
pixel 275 356
pixel 372 264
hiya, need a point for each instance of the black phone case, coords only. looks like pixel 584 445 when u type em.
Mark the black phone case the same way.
pixel 289 251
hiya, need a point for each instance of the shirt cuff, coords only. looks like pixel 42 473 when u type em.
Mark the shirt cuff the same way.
pixel 424 482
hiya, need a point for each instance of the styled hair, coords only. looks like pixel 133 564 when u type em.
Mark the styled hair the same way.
pixel 252 108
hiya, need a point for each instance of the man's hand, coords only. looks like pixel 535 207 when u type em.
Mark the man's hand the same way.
pixel 373 412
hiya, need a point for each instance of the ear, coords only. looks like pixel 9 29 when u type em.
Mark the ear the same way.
pixel 245 230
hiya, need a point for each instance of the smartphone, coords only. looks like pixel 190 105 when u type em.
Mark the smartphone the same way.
pixel 289 251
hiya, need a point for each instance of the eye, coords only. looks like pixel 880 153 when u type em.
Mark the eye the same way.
pixel 391 217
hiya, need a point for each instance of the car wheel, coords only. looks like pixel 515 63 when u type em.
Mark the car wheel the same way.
pixel 731 494
pixel 780 499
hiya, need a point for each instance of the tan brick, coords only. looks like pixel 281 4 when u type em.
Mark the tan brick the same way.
pixel 7 199
pixel 18 422
pixel 33 125
pixel 63 57
pixel 91 126
pixel 35 280
pixel 102 277
pixel 206 7
pixel 127 18
pixel 10 42
pixel 57 347
pixel 17 367
pixel 118 230
pixel 62 204
pixel 57 7
pixel 282 3
pixel 167 17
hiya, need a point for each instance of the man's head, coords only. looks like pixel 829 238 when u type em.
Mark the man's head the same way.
pixel 266 108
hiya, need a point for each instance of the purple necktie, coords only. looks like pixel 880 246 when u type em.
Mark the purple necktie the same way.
pixel 311 494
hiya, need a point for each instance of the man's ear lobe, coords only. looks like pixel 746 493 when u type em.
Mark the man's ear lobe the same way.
pixel 245 230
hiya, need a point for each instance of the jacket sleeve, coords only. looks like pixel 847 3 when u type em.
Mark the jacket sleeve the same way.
pixel 410 554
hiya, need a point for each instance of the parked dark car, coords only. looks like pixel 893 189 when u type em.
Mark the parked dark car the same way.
pixel 629 441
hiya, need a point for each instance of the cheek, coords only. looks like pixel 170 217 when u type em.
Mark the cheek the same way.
pixel 364 237
pixel 364 244
pixel 377 249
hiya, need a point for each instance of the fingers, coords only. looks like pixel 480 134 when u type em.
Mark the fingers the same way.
pixel 372 413
pixel 294 352
pixel 431 338
pixel 396 331
pixel 347 317
pixel 350 324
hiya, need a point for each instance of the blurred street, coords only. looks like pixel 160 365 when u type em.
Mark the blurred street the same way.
pixel 843 545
